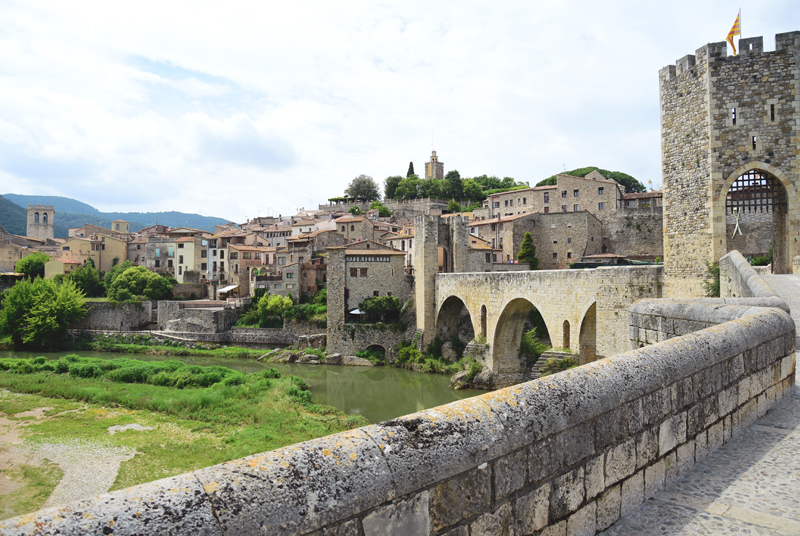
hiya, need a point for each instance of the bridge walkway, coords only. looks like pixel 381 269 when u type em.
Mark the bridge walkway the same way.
pixel 749 486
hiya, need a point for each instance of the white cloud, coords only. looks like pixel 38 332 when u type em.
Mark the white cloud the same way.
pixel 231 110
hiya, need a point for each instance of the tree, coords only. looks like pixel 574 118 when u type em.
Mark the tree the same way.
pixel 383 212
pixel 631 184
pixel 363 187
pixel 32 265
pixel 380 306
pixel 87 279
pixel 138 281
pixel 527 252
pixel 355 211
pixel 455 186
pixel 37 313
pixel 410 169
pixel 453 206
pixel 273 306
pixel 473 191
pixel 390 185
pixel 115 272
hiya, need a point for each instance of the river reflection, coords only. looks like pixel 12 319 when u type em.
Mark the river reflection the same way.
pixel 377 393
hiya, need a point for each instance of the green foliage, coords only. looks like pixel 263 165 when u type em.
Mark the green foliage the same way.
pixel 554 365
pixel 630 184
pixel 410 169
pixel 114 272
pixel 455 186
pixel 273 306
pixel 453 207
pixel 473 369
pixel 87 279
pixel 764 260
pixel 138 281
pixel 383 212
pixel 381 306
pixel 711 283
pixel 363 187
pixel 355 211
pixel 473 190
pixel 375 357
pixel 390 185
pixel 531 348
pixel 37 314
pixel 32 265
pixel 306 311
pixel 527 252
pixel 434 349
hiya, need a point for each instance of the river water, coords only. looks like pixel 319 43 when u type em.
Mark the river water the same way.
pixel 377 393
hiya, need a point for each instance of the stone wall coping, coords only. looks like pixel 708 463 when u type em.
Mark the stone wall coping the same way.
pixel 708 310
pixel 750 278
pixel 303 487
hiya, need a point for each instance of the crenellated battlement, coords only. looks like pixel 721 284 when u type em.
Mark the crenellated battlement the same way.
pixel 713 52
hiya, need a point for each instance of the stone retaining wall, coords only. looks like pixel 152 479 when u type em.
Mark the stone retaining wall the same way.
pixel 190 291
pixel 348 339
pixel 572 452
pixel 109 316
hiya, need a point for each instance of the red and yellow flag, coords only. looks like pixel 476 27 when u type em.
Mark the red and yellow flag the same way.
pixel 736 30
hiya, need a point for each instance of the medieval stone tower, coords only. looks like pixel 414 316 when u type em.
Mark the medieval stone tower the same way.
pixel 730 146
pixel 434 169
pixel 40 221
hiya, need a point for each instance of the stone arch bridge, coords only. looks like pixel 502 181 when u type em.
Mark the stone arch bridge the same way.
pixel 584 310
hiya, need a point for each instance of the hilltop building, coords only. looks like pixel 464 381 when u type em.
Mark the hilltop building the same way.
pixel 434 169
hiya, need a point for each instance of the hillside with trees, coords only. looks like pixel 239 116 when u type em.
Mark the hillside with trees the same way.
pixel 630 183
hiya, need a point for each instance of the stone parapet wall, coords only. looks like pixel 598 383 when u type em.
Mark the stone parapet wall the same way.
pixel 111 316
pixel 574 452
pixel 738 279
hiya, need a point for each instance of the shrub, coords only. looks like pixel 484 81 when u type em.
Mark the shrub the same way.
pixel 270 373
pixel 711 283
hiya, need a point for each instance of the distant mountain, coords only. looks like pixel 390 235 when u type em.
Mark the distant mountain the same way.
pixel 13 218
pixel 73 213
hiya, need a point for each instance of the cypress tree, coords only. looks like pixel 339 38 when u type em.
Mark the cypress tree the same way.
pixel 410 169
pixel 527 252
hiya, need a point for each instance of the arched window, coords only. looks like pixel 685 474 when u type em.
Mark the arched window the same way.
pixel 44 217
pixel 566 334
pixel 36 217
pixel 352 227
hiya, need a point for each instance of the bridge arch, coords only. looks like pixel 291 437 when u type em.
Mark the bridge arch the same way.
pixel 508 334
pixel 449 320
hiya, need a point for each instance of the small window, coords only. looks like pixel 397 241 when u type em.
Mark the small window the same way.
pixel 555 242
pixel 563 193
pixel 494 257
pixel 375 293
pixel 574 208
pixel 363 272
pixel 158 263
pixel 138 246
pixel 203 266
pixel 180 246
pixel 600 190
pixel 488 257
pixel 755 142
pixel 305 274
pixel 555 255
pixel 546 198
pixel 180 270
pixel 180 259
pixel 569 254
pixel 277 286
pixel 204 254
pixel 353 272
pixel 506 204
pixel 601 206
pixel 343 228
pixel 65 248
pixel 575 193
pixel 569 240
pixel 772 112
pixel 289 275
pixel 563 208
pixel 222 254
pixel 733 116
pixel 169 263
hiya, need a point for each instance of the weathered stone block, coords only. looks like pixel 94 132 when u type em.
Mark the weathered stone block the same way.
pixel 685 456
pixel 401 517
pixel 744 390
pixel 461 497
pixel 610 428
pixel 608 507
pixel 544 458
pixel 567 493
pixel 646 447
pixel 509 474
pixel 654 479
pixel 667 437
pixel 736 368
pixel 595 476
pixel 727 430
pixel 620 461
pixel 458 531
pixel 559 529
pixel 498 523
pixel 343 475
pixel 348 528
pixel 632 493
pixel 715 436
pixel 577 443
pixel 532 510
pixel 670 468
pixel 583 522
pixel 710 410
pixel 656 405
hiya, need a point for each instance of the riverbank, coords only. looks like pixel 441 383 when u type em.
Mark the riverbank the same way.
pixel 174 417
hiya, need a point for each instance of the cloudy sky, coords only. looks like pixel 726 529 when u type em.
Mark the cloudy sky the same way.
pixel 236 109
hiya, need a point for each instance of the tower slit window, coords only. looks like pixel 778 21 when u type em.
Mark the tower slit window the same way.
pixel 772 112
pixel 733 115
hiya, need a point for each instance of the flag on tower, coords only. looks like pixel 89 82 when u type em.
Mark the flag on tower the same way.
pixel 736 30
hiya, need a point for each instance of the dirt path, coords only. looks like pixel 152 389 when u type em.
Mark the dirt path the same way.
pixel 89 468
